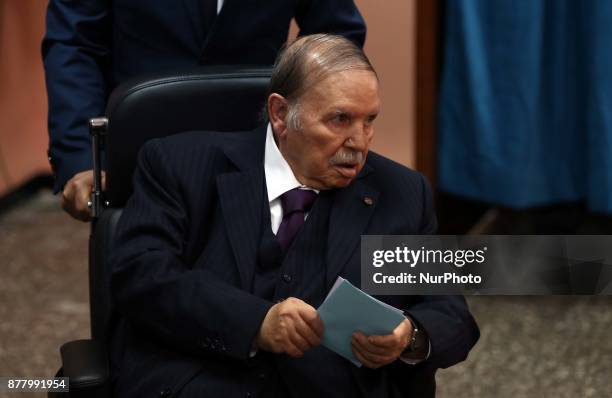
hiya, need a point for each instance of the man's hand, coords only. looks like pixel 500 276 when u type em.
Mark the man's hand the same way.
pixel 77 193
pixel 290 327
pixel 377 351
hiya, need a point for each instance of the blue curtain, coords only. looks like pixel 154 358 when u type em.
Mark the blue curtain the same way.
pixel 525 105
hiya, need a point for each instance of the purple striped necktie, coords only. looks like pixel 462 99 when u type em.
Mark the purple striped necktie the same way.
pixel 296 203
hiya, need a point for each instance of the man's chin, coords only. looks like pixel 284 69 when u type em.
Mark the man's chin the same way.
pixel 335 180
pixel 343 181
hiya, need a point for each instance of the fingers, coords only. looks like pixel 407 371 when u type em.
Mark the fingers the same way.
pixel 296 345
pixel 309 335
pixel 399 338
pixel 386 342
pixel 370 355
pixel 76 195
pixel 370 360
pixel 376 351
pixel 302 322
pixel 364 342
pixel 292 327
pixel 312 318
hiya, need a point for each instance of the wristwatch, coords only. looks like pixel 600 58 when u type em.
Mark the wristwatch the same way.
pixel 419 347
pixel 417 339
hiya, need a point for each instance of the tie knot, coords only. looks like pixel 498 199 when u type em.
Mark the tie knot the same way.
pixel 297 200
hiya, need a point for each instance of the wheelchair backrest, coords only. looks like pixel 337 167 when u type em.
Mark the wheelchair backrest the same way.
pixel 212 98
pixel 228 98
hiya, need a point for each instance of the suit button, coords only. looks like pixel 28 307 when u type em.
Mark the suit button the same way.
pixel 248 395
pixel 262 375
pixel 287 278
pixel 165 393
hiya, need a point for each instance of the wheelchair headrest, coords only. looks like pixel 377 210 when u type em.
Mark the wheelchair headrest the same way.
pixel 209 98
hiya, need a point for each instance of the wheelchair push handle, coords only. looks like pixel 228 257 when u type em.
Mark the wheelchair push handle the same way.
pixel 97 130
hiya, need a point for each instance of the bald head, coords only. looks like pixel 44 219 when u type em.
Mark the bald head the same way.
pixel 311 59
pixel 322 105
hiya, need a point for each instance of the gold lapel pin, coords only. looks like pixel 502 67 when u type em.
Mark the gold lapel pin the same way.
pixel 368 201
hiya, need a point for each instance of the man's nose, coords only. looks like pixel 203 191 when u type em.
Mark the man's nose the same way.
pixel 359 138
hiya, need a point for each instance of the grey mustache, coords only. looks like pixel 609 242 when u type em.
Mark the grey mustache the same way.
pixel 347 157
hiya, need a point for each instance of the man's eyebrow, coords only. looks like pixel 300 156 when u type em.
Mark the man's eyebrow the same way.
pixel 338 112
pixel 344 112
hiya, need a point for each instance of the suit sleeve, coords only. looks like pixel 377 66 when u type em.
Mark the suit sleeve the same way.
pixel 339 17
pixel 451 328
pixel 75 52
pixel 156 291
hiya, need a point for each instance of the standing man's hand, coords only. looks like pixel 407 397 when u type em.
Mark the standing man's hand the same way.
pixel 290 327
pixel 77 192
pixel 376 351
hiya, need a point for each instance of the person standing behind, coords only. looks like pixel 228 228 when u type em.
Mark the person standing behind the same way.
pixel 90 47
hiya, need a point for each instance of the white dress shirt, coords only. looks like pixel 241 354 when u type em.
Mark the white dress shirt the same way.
pixel 279 179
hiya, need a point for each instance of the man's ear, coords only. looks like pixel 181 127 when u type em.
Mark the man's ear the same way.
pixel 277 112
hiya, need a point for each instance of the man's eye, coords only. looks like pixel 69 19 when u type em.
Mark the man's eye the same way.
pixel 342 119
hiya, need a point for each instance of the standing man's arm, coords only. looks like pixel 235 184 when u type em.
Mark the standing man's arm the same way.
pixel 75 53
pixel 340 17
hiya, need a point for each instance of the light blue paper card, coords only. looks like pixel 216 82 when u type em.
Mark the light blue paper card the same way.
pixel 346 310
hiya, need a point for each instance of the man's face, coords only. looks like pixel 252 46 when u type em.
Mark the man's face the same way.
pixel 336 119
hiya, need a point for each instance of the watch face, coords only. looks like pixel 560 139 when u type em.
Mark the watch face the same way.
pixel 417 338
pixel 418 341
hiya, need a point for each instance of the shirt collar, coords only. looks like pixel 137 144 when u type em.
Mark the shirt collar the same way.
pixel 279 176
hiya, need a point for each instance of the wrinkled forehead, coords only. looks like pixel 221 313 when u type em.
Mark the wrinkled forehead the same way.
pixel 316 73
pixel 351 87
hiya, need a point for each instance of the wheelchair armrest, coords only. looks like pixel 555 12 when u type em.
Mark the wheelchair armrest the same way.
pixel 85 363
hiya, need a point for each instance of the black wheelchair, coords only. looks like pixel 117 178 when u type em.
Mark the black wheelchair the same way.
pixel 220 98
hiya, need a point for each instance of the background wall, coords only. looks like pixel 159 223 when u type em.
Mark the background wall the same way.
pixel 23 104
pixel 391 46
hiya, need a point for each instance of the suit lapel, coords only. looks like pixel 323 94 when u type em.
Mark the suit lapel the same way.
pixel 241 195
pixel 350 214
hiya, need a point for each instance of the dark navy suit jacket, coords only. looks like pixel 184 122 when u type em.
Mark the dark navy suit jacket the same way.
pixel 91 46
pixel 187 246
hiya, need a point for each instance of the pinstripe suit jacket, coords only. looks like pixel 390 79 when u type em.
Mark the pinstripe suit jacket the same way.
pixel 186 254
